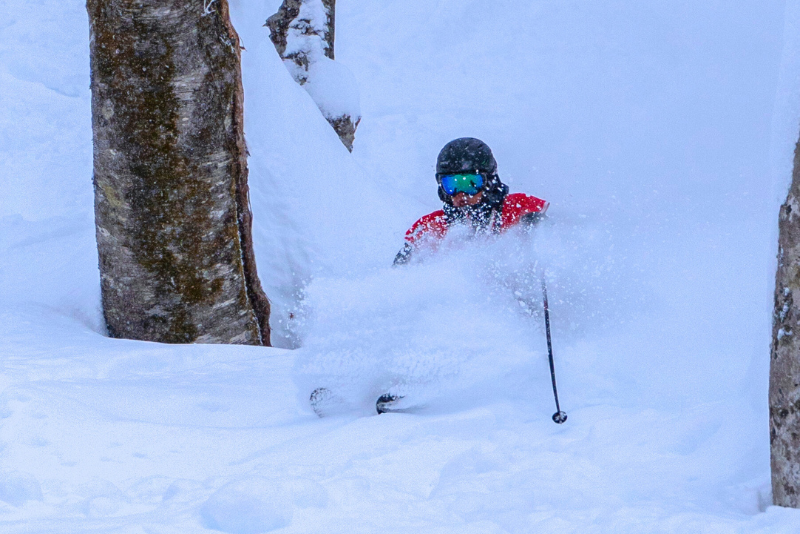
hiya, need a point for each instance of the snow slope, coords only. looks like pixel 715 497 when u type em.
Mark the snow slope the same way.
pixel 659 133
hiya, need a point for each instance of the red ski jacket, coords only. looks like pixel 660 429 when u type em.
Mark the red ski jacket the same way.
pixel 515 206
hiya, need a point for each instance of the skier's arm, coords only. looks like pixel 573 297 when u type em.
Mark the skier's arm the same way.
pixel 429 227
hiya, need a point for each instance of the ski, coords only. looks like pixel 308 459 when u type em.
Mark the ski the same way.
pixel 325 402
pixel 388 403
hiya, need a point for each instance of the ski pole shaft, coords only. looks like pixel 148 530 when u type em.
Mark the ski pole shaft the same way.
pixel 559 417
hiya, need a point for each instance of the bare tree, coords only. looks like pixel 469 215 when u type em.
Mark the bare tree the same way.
pixel 784 381
pixel 303 32
pixel 170 173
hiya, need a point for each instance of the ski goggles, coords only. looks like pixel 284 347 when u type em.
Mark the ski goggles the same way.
pixel 469 183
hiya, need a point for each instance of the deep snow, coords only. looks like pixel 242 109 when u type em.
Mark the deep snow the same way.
pixel 660 132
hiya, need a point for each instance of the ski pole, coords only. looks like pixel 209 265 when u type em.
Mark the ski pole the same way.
pixel 559 417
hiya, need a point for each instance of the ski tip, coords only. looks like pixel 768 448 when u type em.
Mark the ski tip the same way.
pixel 386 402
pixel 559 418
pixel 319 397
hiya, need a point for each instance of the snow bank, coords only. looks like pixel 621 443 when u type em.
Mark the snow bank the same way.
pixel 248 506
pixel 17 488
pixel 314 209
pixel 659 267
pixel 334 89
pixel 786 110
pixel 45 123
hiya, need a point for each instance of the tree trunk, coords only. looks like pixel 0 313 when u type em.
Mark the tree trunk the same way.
pixel 170 174
pixel 279 23
pixel 303 20
pixel 784 380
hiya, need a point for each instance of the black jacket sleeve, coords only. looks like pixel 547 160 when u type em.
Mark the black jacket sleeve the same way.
pixel 404 256
pixel 530 220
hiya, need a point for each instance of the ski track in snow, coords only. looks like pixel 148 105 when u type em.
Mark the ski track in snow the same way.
pixel 659 259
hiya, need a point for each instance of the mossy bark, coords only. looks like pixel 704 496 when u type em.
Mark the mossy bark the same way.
pixel 170 174
pixel 345 127
pixel 784 381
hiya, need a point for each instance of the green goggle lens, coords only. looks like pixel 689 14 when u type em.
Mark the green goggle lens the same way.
pixel 454 184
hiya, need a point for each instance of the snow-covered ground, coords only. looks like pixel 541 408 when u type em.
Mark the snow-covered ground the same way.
pixel 661 133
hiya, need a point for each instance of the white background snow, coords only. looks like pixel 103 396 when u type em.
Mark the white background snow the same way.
pixel 662 134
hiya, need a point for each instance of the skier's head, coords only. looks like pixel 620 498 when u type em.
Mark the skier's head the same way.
pixel 466 154
pixel 467 165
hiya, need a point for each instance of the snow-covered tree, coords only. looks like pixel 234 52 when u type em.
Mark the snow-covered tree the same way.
pixel 172 213
pixel 303 34
pixel 784 382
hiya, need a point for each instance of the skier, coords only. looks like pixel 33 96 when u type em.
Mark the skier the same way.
pixel 473 195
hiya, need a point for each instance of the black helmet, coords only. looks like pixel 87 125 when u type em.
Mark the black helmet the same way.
pixel 468 154
pixel 465 155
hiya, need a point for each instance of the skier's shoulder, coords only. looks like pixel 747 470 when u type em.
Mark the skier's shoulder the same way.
pixel 517 205
pixel 431 225
pixel 520 202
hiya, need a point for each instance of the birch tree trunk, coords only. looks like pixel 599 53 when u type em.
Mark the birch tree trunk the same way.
pixel 170 174
pixel 784 380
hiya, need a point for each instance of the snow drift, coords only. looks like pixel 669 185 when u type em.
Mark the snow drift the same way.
pixel 648 128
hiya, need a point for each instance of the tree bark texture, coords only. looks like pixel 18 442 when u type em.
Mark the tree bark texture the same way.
pixel 172 204
pixel 784 381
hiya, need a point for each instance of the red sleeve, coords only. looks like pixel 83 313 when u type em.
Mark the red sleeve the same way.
pixel 431 226
pixel 518 204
